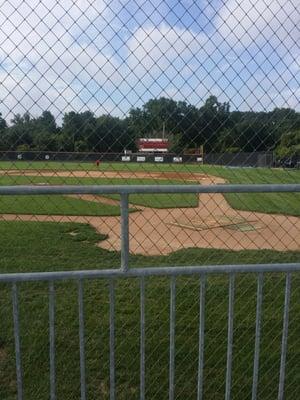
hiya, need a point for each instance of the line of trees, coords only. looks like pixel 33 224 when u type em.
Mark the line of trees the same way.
pixel 213 125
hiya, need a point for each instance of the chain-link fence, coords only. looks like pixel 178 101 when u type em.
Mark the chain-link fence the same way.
pixel 169 94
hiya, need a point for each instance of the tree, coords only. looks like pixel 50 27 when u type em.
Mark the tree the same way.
pixel 47 122
pixel 3 133
pixel 45 132
pixel 289 145
pixel 212 125
pixel 112 135
pixel 77 127
pixel 214 117
pixel 136 123
pixel 178 120
pixel 154 115
pixel 21 131
pixel 227 141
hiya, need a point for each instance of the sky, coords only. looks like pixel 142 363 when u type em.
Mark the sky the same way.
pixel 108 56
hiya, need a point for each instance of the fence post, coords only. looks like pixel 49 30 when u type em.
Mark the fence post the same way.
pixel 19 371
pixel 124 232
pixel 284 339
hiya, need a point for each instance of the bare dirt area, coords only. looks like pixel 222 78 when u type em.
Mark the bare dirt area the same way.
pixel 212 224
pixel 193 177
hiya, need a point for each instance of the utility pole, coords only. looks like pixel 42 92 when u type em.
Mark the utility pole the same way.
pixel 163 132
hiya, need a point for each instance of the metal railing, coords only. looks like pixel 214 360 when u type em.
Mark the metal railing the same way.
pixel 142 274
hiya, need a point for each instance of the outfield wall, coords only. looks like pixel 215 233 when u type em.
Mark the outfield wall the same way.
pixel 242 159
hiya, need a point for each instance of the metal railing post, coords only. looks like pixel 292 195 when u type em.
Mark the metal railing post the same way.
pixel 172 338
pixel 201 337
pixel 112 373
pixel 259 300
pixel 284 340
pixel 81 341
pixel 142 338
pixel 124 232
pixel 19 372
pixel 52 340
pixel 230 337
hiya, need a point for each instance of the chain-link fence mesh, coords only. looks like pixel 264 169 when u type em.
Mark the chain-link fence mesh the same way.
pixel 97 92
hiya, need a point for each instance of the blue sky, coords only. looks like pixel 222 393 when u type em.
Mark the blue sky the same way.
pixel 108 56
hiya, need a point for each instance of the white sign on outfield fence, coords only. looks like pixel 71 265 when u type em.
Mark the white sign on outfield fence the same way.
pixel 177 159
pixel 158 159
pixel 125 158
pixel 140 159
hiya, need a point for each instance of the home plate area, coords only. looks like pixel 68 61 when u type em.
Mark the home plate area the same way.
pixel 220 221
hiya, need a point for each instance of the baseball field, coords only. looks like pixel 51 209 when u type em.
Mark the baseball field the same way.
pixel 45 233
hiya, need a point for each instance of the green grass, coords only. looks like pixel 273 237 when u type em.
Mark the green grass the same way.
pixel 55 205
pixel 47 246
pixel 277 203
pixel 30 246
pixel 40 203
pixel 251 174
pixel 163 200
pixel 285 203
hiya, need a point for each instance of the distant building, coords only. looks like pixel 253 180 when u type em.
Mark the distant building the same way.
pixel 153 145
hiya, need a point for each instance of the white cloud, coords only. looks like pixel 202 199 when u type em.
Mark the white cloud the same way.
pixel 159 47
pixel 256 22
pixel 45 57
pixel 77 55
pixel 166 59
pixel 46 27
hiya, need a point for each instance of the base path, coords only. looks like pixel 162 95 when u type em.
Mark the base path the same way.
pixel 212 224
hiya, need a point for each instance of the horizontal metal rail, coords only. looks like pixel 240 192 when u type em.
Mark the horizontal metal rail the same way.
pixel 148 271
pixel 140 189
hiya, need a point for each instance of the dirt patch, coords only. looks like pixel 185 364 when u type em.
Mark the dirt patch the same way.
pixel 190 177
pixel 162 231
pixel 73 233
pixel 96 199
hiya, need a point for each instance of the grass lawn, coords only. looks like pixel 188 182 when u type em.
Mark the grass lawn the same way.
pixel 40 204
pixel 285 203
pixel 277 203
pixel 36 246
pixel 266 175
pixel 54 205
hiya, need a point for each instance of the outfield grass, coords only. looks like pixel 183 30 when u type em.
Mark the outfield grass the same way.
pixel 47 246
pixel 285 203
pixel 62 206
pixel 251 174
